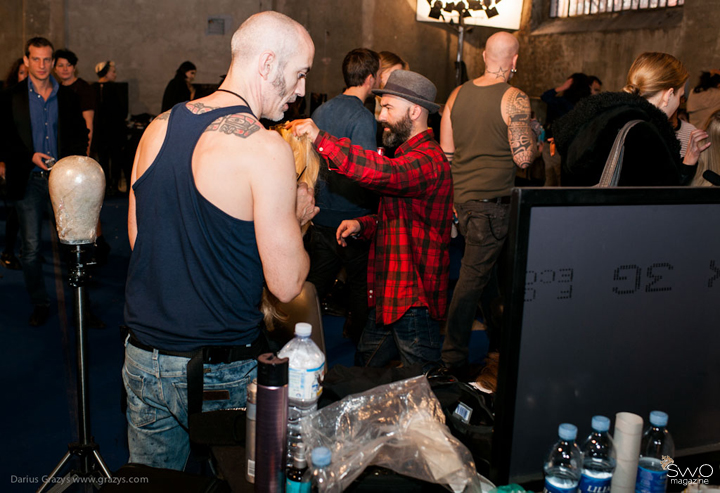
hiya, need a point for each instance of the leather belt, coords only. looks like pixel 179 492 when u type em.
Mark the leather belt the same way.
pixel 498 200
pixel 211 354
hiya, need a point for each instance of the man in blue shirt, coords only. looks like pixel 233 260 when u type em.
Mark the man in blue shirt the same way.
pixel 39 120
pixel 340 198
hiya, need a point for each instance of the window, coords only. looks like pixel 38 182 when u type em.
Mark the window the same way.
pixel 572 8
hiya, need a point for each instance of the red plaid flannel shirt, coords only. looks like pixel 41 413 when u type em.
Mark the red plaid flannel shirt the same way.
pixel 410 264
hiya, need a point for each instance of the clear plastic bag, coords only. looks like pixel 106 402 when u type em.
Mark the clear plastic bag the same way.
pixel 399 426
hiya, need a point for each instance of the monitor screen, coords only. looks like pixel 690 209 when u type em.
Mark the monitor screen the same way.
pixel 614 305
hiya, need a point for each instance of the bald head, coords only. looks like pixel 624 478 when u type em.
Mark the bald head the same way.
pixel 501 48
pixel 269 31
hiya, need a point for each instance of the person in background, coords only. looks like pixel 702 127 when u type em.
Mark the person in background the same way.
pixel 339 197
pixel 65 73
pixel 39 120
pixel 704 99
pixel 559 102
pixel 484 159
pixel 683 131
pixel 180 88
pixel 710 159
pixel 17 73
pixel 585 136
pixel 595 85
pixel 409 263
pixel 110 130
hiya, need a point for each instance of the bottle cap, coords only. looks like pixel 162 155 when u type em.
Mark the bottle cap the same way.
pixel 321 456
pixel 567 431
pixel 303 329
pixel 658 418
pixel 600 424
pixel 272 371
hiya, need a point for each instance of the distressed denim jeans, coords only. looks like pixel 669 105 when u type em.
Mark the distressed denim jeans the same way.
pixel 157 414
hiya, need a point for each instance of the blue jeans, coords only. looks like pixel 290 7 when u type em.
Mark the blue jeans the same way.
pixel 156 387
pixel 484 226
pixel 30 211
pixel 415 338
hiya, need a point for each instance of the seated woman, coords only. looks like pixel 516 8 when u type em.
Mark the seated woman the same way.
pixel 709 160
pixel 655 84
pixel 180 88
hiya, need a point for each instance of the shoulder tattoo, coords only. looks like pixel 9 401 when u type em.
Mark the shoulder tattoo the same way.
pixel 199 108
pixel 240 124
pixel 163 116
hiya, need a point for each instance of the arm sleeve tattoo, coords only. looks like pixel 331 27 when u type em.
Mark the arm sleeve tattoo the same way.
pixel 520 134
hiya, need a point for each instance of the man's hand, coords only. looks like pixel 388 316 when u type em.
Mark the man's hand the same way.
pixel 305 205
pixel 695 147
pixel 566 85
pixel 347 227
pixel 306 126
pixel 39 158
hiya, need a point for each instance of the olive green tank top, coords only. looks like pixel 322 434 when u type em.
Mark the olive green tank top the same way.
pixel 482 167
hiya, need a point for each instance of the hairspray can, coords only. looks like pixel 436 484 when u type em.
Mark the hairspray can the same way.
pixel 271 424
pixel 250 431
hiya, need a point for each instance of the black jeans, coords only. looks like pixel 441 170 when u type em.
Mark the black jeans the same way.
pixel 326 259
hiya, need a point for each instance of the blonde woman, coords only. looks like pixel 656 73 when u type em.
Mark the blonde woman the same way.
pixel 709 160
pixel 655 84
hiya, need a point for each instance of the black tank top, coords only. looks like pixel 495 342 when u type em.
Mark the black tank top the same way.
pixel 195 277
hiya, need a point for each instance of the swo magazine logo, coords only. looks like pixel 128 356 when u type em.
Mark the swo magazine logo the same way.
pixel 686 476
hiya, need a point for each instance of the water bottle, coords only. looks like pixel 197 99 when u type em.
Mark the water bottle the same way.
pixel 562 469
pixel 598 458
pixel 323 480
pixel 656 443
pixel 296 479
pixel 307 365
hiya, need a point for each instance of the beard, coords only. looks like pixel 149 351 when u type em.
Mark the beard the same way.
pixel 398 132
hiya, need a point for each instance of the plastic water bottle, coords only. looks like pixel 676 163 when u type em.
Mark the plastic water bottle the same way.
pixel 656 444
pixel 598 458
pixel 306 368
pixel 323 481
pixel 562 468
pixel 296 479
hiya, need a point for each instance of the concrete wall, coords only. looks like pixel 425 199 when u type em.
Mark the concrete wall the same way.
pixel 148 39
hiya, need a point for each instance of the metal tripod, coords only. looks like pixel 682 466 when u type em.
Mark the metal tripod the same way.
pixel 85 449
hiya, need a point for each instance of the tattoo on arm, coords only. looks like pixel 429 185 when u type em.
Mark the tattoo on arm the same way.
pixel 500 73
pixel 240 124
pixel 520 134
pixel 163 116
pixel 449 156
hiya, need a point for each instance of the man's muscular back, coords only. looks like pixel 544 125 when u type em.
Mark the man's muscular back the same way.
pixel 247 172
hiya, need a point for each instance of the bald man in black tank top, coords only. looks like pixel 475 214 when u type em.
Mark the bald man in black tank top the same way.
pixel 485 133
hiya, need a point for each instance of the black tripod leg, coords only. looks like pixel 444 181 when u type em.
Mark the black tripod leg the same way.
pixel 54 472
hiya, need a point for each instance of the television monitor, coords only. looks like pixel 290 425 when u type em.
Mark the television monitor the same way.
pixel 613 305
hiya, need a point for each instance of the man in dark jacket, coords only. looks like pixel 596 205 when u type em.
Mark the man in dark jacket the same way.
pixel 39 120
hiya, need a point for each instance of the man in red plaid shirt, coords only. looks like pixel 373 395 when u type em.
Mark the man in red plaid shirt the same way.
pixel 408 268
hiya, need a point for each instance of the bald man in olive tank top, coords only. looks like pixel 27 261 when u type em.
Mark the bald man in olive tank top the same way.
pixel 485 133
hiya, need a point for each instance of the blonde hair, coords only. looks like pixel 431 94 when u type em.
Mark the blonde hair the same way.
pixel 653 72
pixel 389 59
pixel 307 168
pixel 710 158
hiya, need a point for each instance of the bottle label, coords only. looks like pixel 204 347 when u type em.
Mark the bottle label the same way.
pixel 594 485
pixel 551 488
pixel 296 487
pixel 650 481
pixel 304 385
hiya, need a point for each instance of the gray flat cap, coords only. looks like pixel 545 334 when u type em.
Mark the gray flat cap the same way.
pixel 411 86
